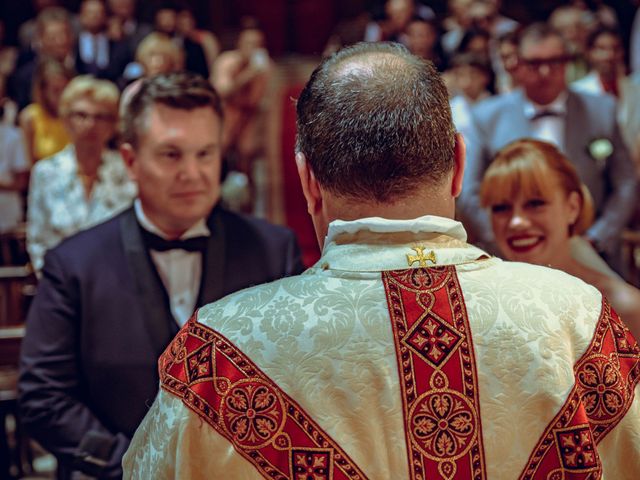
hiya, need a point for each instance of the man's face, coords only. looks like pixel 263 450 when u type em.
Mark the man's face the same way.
pixel 421 37
pixel 177 166
pixel 93 16
pixel 56 40
pixel 543 65
pixel 606 54
pixel 123 8
pixel 166 20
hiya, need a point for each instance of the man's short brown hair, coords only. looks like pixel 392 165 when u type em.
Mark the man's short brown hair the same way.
pixel 183 90
pixel 374 123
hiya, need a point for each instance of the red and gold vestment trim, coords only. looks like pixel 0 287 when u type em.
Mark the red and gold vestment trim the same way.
pixel 605 380
pixel 438 377
pixel 268 428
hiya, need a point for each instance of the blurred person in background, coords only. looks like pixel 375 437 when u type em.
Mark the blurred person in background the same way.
pixel 14 178
pixel 84 184
pixel 539 210
pixel 605 54
pixel 574 24
pixel 506 78
pixel 166 21
pixel 98 55
pixel 41 122
pixel 54 39
pixel 131 29
pixel 423 40
pixel 27 32
pixel 456 24
pixel 398 15
pixel 186 28
pixel 241 77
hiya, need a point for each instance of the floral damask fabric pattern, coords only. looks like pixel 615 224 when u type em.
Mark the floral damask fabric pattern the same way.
pixel 58 206
pixel 325 339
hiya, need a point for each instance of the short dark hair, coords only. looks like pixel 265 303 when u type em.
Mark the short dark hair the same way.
pixel 602 30
pixel 537 32
pixel 182 90
pixel 374 123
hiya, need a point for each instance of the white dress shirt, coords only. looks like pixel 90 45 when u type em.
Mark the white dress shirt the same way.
pixel 549 128
pixel 179 270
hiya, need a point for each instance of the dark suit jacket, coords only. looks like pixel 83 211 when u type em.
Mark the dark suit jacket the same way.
pixel 119 56
pixel 101 318
pixel 501 120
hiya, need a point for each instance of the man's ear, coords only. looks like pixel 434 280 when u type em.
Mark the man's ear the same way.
pixel 460 158
pixel 310 186
pixel 128 156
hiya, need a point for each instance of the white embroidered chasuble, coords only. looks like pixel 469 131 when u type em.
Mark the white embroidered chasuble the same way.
pixel 326 340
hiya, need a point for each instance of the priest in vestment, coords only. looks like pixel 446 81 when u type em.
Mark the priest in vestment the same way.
pixel 405 352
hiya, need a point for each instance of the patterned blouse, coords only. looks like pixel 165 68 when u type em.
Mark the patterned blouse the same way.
pixel 58 206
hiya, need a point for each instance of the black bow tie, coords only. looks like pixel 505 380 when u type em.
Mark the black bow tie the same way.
pixel 159 244
pixel 546 113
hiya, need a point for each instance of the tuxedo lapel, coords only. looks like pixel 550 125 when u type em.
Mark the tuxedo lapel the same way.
pixel 575 128
pixel 213 261
pixel 160 324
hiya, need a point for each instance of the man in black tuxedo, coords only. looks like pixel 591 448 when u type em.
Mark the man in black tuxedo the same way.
pixel 112 297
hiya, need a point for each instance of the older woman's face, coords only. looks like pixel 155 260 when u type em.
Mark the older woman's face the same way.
pixel 534 229
pixel 90 122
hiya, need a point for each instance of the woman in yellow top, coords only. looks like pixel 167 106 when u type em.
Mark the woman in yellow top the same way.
pixel 43 128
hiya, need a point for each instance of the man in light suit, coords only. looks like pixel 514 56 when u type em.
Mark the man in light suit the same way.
pixel 112 297
pixel 583 126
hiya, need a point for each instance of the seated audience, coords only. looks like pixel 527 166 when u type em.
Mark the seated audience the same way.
pixel 132 30
pixel 398 15
pixel 55 39
pixel 166 21
pixel 582 125
pixel 84 184
pixel 99 55
pixel 539 210
pixel 41 122
pixel 187 29
pixel 574 26
pixel 112 297
pixel 605 53
pixel 423 40
pixel 14 177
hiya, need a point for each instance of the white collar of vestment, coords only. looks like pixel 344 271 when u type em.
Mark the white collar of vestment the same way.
pixel 198 229
pixel 375 244
pixel 558 106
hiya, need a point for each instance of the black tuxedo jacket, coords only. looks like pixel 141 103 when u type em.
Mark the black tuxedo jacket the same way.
pixel 101 318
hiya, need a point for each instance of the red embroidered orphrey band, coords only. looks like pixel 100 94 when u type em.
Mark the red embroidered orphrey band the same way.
pixel 225 388
pixel 606 377
pixel 438 375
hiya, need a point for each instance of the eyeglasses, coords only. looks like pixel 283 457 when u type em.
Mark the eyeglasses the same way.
pixel 82 117
pixel 553 62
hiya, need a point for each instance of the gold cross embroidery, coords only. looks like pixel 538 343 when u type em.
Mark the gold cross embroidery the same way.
pixel 421 257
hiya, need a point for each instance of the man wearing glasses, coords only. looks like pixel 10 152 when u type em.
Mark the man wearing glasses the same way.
pixel 583 126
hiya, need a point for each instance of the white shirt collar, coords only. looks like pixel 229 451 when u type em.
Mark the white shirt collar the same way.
pixel 426 224
pixel 559 106
pixel 198 229
pixel 375 244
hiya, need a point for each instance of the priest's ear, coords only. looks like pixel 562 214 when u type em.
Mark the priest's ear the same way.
pixel 460 156
pixel 310 186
